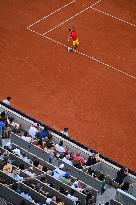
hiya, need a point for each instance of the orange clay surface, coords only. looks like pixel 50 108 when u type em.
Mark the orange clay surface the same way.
pixel 62 89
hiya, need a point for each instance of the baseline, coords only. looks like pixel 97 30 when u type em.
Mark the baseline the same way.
pixel 72 17
pixel 83 54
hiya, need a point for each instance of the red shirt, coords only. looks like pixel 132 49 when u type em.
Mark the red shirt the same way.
pixel 73 35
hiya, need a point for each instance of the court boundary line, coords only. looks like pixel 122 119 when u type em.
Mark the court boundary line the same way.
pixel 117 18
pixel 73 1
pixel 83 54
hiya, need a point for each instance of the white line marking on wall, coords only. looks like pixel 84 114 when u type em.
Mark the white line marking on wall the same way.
pixel 83 54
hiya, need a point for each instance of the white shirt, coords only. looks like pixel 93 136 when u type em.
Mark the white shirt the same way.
pixel 16 151
pixel 18 178
pixel 48 200
pixel 73 198
pixel 58 173
pixel 32 131
pixel 6 102
pixel 30 174
pixel 26 196
pixel 60 148
pixel 65 133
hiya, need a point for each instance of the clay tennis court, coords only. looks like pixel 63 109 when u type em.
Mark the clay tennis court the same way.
pixel 92 91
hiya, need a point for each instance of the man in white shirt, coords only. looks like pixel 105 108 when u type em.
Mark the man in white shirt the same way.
pixel 59 148
pixel 33 130
pixel 65 132
pixel 72 197
pixel 7 101
pixel 58 172
pixel 66 159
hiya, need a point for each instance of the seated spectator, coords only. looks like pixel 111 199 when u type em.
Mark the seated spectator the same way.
pixel 8 146
pixel 43 133
pixel 6 155
pixel 3 116
pixel 91 172
pixel 16 151
pixel 58 201
pixel 58 172
pixel 33 130
pixel 26 137
pixel 62 191
pixel 24 157
pixel 103 184
pixel 65 132
pixel 16 175
pixel 7 100
pixel 29 172
pixel 40 144
pixel 60 149
pixel 72 197
pixel 89 198
pixel 7 168
pixel 36 162
pixel 3 125
pixel 12 123
pixel 77 186
pixel 78 158
pixel 22 166
pixel 15 187
pixel 49 198
pixel 66 179
pixel 49 142
pixel 125 186
pixel 26 195
pixel 67 159
pixel 92 160
pixel 121 174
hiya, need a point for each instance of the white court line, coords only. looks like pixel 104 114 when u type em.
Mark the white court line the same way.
pixel 51 13
pixel 72 17
pixel 107 14
pixel 83 54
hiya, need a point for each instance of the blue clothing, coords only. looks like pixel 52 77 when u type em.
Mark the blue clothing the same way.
pixel 2 124
pixel 43 134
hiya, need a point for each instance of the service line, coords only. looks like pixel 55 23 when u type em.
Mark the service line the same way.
pixel 83 54
pixel 51 13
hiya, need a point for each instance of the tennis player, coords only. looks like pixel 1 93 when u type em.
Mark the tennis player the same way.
pixel 74 37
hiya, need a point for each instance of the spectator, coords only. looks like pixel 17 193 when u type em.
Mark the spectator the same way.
pixel 62 191
pixel 40 144
pixel 49 198
pixel 43 133
pixel 26 195
pixel 16 151
pixel 103 184
pixel 58 172
pixel 2 125
pixel 59 148
pixel 8 146
pixel 36 162
pixel 15 187
pixel 33 130
pixel 65 132
pixel 16 174
pixel 26 137
pixel 29 172
pixel 125 186
pixel 24 157
pixel 7 100
pixel 7 168
pixel 77 186
pixel 92 160
pixel 72 197
pixel 49 142
pixel 66 179
pixel 67 159
pixel 121 174
pixel 78 158
pixel 6 155
pixel 58 201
